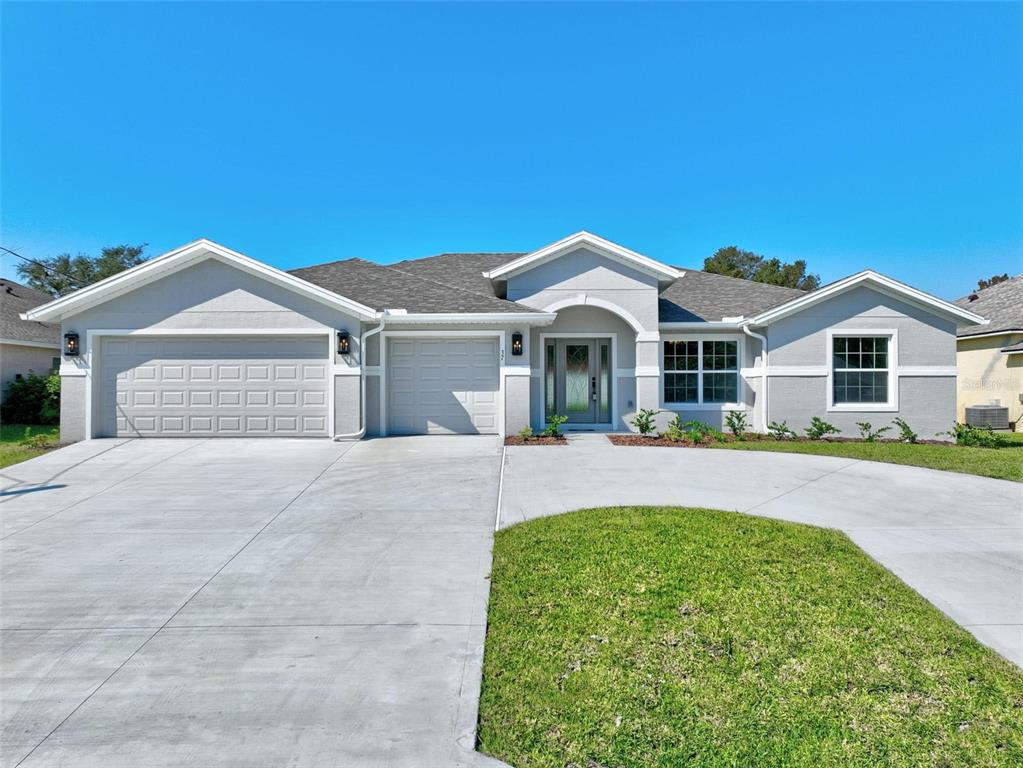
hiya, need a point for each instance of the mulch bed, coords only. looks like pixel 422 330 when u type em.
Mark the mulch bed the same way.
pixel 661 442
pixel 750 437
pixel 536 440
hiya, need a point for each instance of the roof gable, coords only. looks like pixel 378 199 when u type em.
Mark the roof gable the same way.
pixel 877 282
pixel 176 260
pixel 592 242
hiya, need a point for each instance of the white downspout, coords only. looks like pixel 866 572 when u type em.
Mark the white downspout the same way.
pixel 362 375
pixel 763 374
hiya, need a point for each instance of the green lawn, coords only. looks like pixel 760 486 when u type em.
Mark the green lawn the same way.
pixel 687 637
pixel 14 447
pixel 1004 463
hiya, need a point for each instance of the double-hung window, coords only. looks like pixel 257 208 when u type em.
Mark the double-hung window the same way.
pixel 861 370
pixel 701 371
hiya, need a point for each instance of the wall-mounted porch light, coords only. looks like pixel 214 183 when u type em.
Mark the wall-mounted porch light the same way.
pixel 71 344
pixel 344 343
pixel 516 344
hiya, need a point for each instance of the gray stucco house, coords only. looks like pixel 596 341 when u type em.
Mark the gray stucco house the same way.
pixel 26 346
pixel 205 341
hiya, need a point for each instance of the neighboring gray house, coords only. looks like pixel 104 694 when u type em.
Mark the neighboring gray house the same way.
pixel 26 346
pixel 205 341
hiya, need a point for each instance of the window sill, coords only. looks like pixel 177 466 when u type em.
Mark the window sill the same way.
pixel 674 407
pixel 863 408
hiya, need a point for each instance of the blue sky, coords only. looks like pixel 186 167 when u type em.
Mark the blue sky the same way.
pixel 852 136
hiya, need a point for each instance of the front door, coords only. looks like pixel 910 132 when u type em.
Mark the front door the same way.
pixel 578 379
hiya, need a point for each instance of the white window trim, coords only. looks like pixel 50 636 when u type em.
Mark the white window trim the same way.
pixel 699 405
pixel 892 403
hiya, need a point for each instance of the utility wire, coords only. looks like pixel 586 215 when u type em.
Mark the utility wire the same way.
pixel 47 267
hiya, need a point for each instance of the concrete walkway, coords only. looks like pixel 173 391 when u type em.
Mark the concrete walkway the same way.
pixel 957 539
pixel 245 602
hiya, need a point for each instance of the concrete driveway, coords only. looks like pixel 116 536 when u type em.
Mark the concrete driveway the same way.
pixel 245 602
pixel 957 539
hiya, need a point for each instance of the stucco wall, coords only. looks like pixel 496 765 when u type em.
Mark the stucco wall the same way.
pixel 72 409
pixel 927 403
pixel 926 400
pixel 584 272
pixel 15 359
pixel 802 338
pixel 347 393
pixel 986 375
pixel 206 296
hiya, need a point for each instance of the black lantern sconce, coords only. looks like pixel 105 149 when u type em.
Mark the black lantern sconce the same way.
pixel 516 344
pixel 344 343
pixel 71 348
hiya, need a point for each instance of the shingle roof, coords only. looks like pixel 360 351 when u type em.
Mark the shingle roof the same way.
pixel 454 282
pixel 1001 304
pixel 700 296
pixel 15 299
pixel 388 287
pixel 462 269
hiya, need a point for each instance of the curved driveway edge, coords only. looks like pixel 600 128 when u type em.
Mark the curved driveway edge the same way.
pixel 956 539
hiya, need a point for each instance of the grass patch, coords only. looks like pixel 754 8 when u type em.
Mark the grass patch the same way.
pixel 19 442
pixel 686 637
pixel 1002 463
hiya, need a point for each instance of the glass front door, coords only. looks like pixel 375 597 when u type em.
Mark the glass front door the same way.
pixel 577 379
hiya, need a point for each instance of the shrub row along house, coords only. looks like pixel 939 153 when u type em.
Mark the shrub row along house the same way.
pixel 205 341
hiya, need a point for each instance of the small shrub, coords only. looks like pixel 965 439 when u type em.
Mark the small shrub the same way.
pixel 906 434
pixel 868 433
pixel 644 421
pixel 819 429
pixel 699 432
pixel 38 442
pixel 675 431
pixel 526 432
pixel 32 399
pixel 737 424
pixel 554 422
pixel 976 437
pixel 781 431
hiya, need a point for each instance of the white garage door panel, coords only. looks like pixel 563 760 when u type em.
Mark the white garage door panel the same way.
pixel 442 386
pixel 217 386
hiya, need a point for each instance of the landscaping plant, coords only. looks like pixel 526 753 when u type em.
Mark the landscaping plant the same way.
pixel 32 399
pixel 526 432
pixel 702 433
pixel 554 422
pixel 644 421
pixel 676 431
pixel 781 431
pixel 976 437
pixel 737 424
pixel 819 429
pixel 868 433
pixel 906 434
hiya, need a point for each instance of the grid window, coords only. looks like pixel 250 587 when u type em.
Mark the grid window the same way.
pixel 860 369
pixel 701 371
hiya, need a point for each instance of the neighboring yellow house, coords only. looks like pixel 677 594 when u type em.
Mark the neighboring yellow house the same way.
pixel 989 358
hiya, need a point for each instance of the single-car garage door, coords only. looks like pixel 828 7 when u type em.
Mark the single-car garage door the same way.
pixel 213 386
pixel 442 386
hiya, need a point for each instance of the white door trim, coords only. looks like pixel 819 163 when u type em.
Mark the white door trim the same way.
pixel 385 336
pixel 92 335
pixel 612 373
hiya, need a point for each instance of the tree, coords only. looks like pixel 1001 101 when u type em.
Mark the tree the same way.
pixel 735 262
pixel 60 275
pixel 993 280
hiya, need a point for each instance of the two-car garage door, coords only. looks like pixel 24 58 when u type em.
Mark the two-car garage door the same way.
pixel 213 386
pixel 442 385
